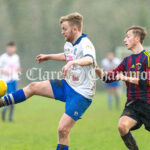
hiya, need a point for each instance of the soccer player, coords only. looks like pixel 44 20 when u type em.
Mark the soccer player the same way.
pixel 108 64
pixel 9 69
pixel 134 70
pixel 78 87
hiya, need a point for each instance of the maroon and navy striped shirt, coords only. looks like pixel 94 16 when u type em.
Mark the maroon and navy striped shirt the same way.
pixel 134 65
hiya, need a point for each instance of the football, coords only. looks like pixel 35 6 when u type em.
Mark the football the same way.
pixel 3 88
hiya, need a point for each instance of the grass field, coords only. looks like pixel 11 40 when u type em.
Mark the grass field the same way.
pixel 36 122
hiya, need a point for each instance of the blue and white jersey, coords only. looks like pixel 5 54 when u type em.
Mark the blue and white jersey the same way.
pixel 108 65
pixel 81 78
pixel 9 64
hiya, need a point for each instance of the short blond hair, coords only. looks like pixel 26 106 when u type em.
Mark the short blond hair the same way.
pixel 74 19
pixel 138 31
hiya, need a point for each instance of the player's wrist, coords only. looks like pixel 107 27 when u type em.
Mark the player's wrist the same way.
pixel 49 56
pixel 74 62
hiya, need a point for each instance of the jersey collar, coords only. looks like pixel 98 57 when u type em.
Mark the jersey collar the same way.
pixel 139 53
pixel 79 39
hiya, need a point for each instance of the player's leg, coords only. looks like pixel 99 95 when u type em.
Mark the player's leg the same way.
pixel 75 107
pixel 43 88
pixel 4 113
pixel 35 88
pixel 125 124
pixel 109 97
pixel 116 93
pixel 9 90
pixel 13 86
pixel 10 117
pixel 65 126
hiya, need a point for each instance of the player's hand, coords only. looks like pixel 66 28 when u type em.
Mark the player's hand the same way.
pixel 66 67
pixel 42 57
pixel 19 70
pixel 99 72
pixel 120 76
pixel 5 72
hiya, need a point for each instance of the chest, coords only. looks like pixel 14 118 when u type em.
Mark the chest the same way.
pixel 135 64
pixel 9 62
pixel 73 52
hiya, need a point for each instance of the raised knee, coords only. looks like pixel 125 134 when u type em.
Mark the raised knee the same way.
pixel 63 132
pixel 123 128
pixel 32 87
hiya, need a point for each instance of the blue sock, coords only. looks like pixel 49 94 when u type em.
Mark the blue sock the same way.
pixel 15 97
pixel 62 147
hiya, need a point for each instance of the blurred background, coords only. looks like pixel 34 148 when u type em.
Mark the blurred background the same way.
pixel 34 26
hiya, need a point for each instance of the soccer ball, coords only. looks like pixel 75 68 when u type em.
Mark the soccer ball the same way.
pixel 3 88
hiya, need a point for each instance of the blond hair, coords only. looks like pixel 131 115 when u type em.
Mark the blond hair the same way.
pixel 138 31
pixel 74 19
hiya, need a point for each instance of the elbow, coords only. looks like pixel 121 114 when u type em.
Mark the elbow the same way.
pixel 90 61
pixel 142 83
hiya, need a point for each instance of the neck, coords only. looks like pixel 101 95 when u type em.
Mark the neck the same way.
pixel 9 54
pixel 76 37
pixel 137 49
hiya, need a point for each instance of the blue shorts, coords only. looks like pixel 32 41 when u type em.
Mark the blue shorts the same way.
pixel 12 86
pixel 114 84
pixel 76 104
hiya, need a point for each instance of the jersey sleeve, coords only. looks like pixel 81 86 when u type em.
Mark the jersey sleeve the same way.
pixel 147 70
pixel 18 62
pixel 88 49
pixel 1 61
pixel 110 77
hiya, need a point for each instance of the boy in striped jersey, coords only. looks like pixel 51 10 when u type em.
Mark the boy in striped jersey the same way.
pixel 135 71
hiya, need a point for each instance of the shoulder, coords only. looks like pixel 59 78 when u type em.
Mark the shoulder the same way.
pixel 116 60
pixel 146 53
pixel 105 61
pixel 125 59
pixel 86 41
pixel 87 44
pixel 4 55
pixel 147 58
pixel 16 56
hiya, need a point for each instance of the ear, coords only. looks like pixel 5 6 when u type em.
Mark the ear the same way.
pixel 75 28
pixel 138 38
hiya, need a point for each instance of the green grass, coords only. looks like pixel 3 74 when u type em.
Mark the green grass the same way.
pixel 36 123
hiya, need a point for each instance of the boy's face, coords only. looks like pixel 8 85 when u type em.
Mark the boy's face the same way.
pixel 11 50
pixel 67 31
pixel 131 40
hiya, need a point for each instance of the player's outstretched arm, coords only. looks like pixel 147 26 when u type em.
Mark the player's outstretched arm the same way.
pixel 43 57
pixel 122 77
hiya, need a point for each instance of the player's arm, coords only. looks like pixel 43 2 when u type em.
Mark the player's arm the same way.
pixel 85 61
pixel 122 77
pixel 2 71
pixel 145 81
pixel 111 76
pixel 99 72
pixel 142 81
pixel 44 57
